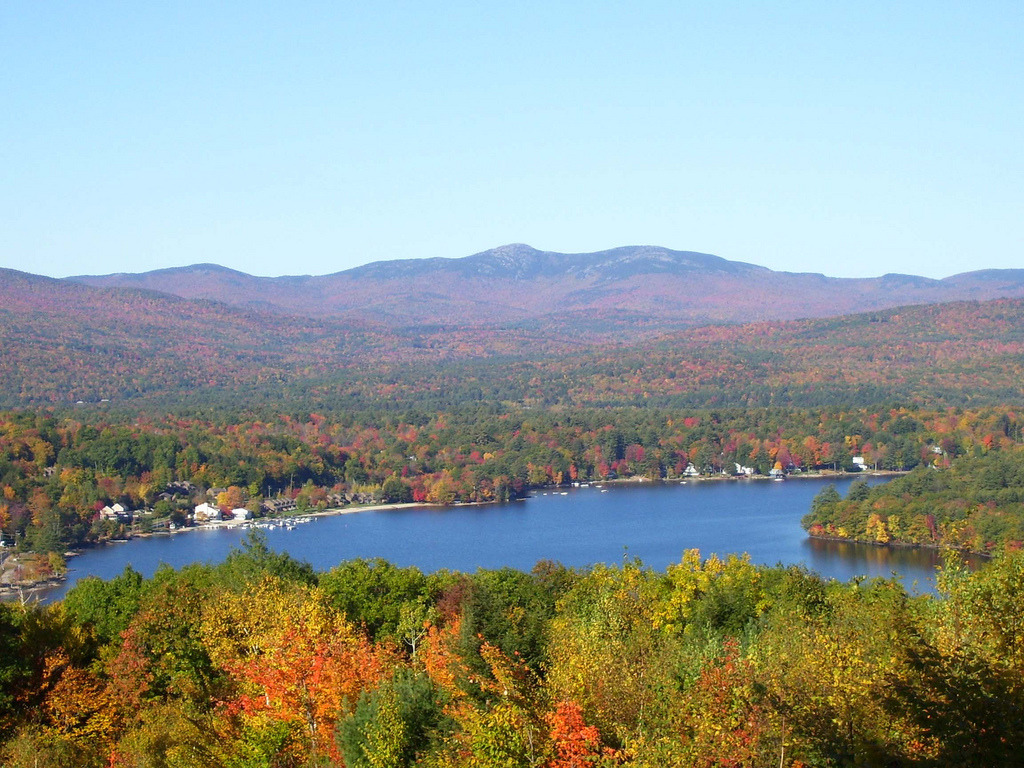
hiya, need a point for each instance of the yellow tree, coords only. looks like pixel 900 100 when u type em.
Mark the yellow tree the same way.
pixel 77 704
pixel 843 680
pixel 606 653
pixel 231 498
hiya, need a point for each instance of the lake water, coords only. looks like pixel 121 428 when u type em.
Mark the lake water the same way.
pixel 654 522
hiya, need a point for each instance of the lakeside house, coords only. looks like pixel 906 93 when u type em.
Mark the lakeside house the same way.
pixel 206 512
pixel 117 512
pixel 278 506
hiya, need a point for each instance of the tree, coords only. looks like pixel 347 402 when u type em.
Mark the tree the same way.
pixel 510 610
pixel 395 491
pixel 375 593
pixel 293 659
pixel 393 725
pixel 108 606
pixel 162 654
pixel 78 705
pixel 14 667
pixel 605 651
pixel 255 559
pixel 231 498
pixel 574 743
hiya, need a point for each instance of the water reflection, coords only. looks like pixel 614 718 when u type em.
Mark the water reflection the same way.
pixel 865 559
pixel 844 560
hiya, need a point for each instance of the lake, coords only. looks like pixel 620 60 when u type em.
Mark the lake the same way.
pixel 655 522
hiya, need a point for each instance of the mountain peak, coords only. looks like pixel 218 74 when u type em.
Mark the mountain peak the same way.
pixel 521 262
pixel 516 260
pixel 512 250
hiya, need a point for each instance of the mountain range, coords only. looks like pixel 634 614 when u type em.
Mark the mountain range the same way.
pixel 630 287
pixel 513 325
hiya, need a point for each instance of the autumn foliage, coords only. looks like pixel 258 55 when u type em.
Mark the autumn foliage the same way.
pixel 712 663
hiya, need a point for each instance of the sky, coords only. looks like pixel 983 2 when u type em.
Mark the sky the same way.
pixel 849 138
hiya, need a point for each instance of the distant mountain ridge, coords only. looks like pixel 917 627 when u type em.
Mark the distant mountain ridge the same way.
pixel 650 285
pixel 65 342
pixel 522 262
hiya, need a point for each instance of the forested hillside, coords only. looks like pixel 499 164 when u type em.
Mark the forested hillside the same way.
pixel 65 342
pixel 951 354
pixel 271 405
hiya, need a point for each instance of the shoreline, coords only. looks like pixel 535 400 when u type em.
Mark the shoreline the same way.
pixel 720 478
pixel 25 593
pixel 23 590
pixel 254 523
pixel 900 545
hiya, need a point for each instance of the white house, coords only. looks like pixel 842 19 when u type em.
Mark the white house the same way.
pixel 241 513
pixel 205 512
pixel 116 512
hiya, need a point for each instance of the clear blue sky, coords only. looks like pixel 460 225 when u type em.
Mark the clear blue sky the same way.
pixel 852 138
